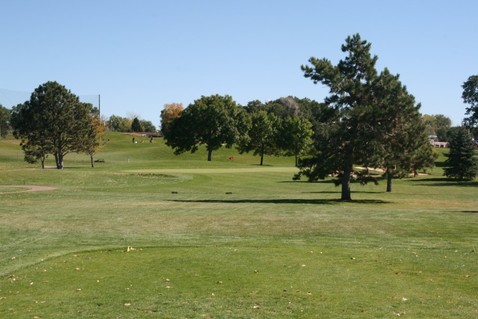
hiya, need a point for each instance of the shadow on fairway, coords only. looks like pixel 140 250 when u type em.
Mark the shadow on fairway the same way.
pixel 470 211
pixel 338 192
pixel 443 182
pixel 279 201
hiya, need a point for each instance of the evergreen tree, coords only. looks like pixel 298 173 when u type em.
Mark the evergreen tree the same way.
pixel 372 121
pixel 461 163
pixel 470 97
pixel 136 125
pixel 400 129
pixel 350 132
pixel 51 122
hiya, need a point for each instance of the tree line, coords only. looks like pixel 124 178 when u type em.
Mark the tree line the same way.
pixel 281 127
pixel 368 120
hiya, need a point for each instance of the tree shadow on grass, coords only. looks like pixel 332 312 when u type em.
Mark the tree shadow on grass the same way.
pixel 280 201
pixel 470 211
pixel 338 192
pixel 443 181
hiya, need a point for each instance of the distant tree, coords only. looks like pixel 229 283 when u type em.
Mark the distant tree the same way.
pixel 92 139
pixel 470 97
pixel 294 136
pixel 170 112
pixel 260 136
pixel 210 121
pixel 119 124
pixel 4 121
pixel 284 107
pixel 443 124
pixel 136 125
pixel 255 106
pixel 461 163
pixel 429 121
pixel 438 125
pixel 51 122
pixel 147 126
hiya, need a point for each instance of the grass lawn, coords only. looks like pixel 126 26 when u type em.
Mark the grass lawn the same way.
pixel 147 234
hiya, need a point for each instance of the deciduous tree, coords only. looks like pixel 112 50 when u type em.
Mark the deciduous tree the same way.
pixel 261 136
pixel 4 121
pixel 147 126
pixel 170 112
pixel 91 141
pixel 294 136
pixel 119 124
pixel 210 121
pixel 438 125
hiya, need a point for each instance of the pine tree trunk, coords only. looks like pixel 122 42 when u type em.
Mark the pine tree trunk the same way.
pixel 348 165
pixel 91 160
pixel 209 155
pixel 346 194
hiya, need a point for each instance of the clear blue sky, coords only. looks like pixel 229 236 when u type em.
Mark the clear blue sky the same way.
pixel 142 54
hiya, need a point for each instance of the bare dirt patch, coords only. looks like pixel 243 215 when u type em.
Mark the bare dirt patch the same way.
pixel 25 188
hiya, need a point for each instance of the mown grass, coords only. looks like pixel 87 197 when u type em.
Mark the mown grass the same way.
pixel 228 239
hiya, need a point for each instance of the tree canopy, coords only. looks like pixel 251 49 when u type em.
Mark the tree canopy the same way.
pixel 168 114
pixel 260 136
pixel 470 97
pixel 211 121
pixel 461 163
pixel 53 121
pixel 437 124
pixel 136 125
pixel 403 144
pixel 4 121
pixel 348 134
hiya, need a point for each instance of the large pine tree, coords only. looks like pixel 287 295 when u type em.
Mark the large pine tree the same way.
pixel 373 121
pixel 51 122
pixel 348 134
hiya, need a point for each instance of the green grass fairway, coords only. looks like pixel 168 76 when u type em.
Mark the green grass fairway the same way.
pixel 148 234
